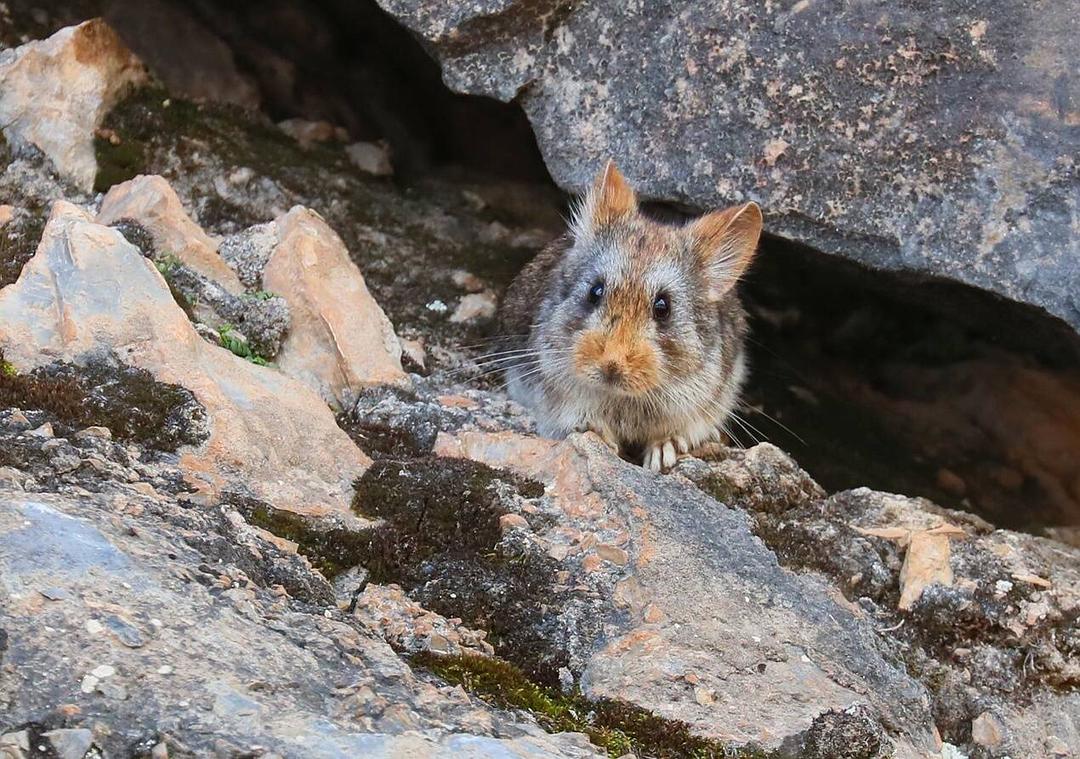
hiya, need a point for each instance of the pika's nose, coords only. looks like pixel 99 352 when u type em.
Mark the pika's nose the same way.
pixel 611 372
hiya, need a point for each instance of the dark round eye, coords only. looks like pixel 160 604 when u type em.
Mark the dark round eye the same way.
pixel 596 292
pixel 661 307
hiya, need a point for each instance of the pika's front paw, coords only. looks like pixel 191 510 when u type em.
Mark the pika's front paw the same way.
pixel 662 455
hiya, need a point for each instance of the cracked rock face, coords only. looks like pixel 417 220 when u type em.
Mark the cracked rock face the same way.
pixel 934 139
pixel 88 292
pixel 146 620
pixel 54 93
pixel 700 623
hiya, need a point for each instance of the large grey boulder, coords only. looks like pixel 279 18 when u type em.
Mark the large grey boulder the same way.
pixel 932 138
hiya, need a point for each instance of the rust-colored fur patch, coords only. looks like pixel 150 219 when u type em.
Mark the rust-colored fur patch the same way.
pixel 613 198
pixel 621 344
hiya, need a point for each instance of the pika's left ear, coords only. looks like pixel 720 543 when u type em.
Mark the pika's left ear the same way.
pixel 608 201
pixel 725 243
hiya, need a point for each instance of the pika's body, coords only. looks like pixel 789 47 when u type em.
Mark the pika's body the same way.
pixel 632 328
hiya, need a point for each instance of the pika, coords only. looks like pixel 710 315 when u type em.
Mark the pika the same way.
pixel 632 328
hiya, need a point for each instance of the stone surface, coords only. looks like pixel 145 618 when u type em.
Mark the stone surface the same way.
pixel 230 663
pixel 150 201
pixel 340 341
pixel 88 292
pixel 54 94
pixel 700 605
pixel 933 139
pixel 371 158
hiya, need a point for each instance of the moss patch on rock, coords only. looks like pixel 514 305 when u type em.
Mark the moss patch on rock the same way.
pixel 618 727
pixel 130 402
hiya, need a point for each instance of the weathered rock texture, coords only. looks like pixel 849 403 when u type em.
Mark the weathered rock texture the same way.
pixel 699 623
pixel 152 203
pixel 138 621
pixel 88 292
pixel 937 139
pixel 340 341
pixel 54 93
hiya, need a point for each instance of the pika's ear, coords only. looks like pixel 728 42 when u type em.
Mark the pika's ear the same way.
pixel 609 199
pixel 725 243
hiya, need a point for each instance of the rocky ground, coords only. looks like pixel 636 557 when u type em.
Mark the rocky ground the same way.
pixel 259 496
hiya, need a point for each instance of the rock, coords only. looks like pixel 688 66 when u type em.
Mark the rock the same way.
pixel 409 627
pixel 54 94
pixel 227 675
pixel 70 744
pixel 987 730
pixel 414 351
pixel 340 341
pixel 308 133
pixel 94 433
pixel 926 563
pixel 7 213
pixel 266 431
pixel 954 130
pixel 475 307
pixel 775 650
pixel 371 158
pixel 150 201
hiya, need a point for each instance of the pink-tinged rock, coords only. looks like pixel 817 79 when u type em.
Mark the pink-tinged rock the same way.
pixel 153 203
pixel 55 92
pixel 340 340
pixel 88 292
pixel 685 587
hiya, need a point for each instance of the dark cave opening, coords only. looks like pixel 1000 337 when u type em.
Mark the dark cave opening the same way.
pixel 899 383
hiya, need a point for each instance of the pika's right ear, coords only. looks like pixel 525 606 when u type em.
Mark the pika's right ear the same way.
pixel 609 199
pixel 724 243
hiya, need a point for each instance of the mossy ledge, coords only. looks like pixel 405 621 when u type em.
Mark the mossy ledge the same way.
pixel 130 402
pixel 618 727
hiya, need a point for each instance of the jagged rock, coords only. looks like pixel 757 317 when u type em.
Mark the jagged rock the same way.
pixel 699 622
pixel 932 139
pixel 340 340
pixel 410 627
pixel 231 660
pixel 151 201
pixel 89 292
pixel 371 158
pixel 308 133
pixel 54 94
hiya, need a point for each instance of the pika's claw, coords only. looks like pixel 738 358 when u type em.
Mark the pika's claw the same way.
pixel 662 455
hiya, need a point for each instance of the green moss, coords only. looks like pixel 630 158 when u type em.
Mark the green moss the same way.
pixel 617 727
pixel 134 406
pixel 331 551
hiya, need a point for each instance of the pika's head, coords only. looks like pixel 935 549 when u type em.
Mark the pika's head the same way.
pixel 636 304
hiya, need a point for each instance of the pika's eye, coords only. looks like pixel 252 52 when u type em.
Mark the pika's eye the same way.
pixel 596 292
pixel 661 307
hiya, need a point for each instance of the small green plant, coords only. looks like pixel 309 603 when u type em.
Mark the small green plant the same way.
pixel 261 295
pixel 7 369
pixel 167 264
pixel 233 342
